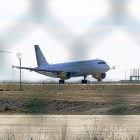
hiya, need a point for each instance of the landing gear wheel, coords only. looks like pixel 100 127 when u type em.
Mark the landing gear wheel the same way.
pixel 84 81
pixel 61 81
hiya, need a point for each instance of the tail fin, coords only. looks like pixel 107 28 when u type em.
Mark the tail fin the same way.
pixel 40 57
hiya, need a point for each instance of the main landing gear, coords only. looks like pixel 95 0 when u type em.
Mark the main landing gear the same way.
pixel 61 81
pixel 84 81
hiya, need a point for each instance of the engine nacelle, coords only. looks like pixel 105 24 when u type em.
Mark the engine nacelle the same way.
pixel 65 75
pixel 99 76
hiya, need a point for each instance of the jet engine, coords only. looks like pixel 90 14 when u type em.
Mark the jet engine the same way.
pixel 99 76
pixel 64 75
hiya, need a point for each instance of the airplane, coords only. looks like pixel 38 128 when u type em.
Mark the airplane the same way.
pixel 64 71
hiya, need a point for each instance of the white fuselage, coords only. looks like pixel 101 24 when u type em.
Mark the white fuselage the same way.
pixel 81 68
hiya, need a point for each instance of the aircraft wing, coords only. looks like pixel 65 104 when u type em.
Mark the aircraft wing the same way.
pixel 5 52
pixel 47 70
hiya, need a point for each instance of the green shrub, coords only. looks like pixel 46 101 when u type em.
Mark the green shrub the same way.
pixel 38 105
pixel 118 111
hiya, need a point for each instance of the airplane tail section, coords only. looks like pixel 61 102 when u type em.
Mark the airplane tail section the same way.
pixel 40 57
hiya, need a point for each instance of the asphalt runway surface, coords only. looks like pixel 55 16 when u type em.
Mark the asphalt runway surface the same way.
pixel 91 84
pixel 43 126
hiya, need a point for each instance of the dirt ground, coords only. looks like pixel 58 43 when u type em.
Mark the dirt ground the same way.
pixel 69 127
pixel 70 99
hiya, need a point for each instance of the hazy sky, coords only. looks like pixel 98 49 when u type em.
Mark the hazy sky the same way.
pixel 70 30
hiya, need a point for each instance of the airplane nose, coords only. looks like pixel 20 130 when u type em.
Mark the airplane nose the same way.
pixel 107 68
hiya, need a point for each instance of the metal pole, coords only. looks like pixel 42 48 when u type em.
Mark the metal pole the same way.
pixel 19 56
pixel 20 75
pixel 125 76
pixel 138 75
pixel 130 78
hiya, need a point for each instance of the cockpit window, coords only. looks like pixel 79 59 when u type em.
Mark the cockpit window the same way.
pixel 101 63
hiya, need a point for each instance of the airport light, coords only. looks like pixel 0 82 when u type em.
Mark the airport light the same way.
pixel 19 56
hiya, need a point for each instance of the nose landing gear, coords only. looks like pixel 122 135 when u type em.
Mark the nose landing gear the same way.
pixel 61 81
pixel 84 81
pixel 99 80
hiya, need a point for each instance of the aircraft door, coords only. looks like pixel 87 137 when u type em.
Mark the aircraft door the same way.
pixel 92 68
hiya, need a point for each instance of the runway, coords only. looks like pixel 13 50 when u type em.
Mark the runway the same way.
pixel 73 83
pixel 49 126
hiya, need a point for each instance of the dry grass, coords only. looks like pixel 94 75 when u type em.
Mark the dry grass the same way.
pixel 71 99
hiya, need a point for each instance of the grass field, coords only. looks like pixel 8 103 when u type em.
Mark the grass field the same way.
pixel 112 99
